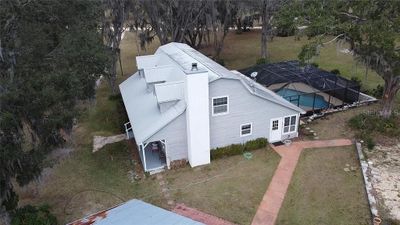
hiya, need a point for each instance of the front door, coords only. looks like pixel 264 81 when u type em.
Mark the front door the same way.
pixel 275 132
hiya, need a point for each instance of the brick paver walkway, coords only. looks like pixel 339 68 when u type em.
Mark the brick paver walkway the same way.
pixel 267 212
pixel 199 216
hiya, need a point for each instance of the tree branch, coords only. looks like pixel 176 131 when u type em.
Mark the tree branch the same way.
pixel 352 16
pixel 328 42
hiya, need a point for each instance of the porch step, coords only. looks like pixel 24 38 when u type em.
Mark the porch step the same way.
pixel 157 171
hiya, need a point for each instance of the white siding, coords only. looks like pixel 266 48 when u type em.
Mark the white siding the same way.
pixel 244 107
pixel 175 136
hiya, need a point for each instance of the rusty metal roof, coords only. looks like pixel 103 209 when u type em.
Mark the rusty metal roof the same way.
pixel 135 212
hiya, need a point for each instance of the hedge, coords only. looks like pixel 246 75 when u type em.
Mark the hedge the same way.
pixel 237 149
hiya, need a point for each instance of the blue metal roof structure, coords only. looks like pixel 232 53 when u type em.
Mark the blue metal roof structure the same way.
pixel 135 212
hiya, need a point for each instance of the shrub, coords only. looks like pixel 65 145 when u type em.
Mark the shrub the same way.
pixel 356 80
pixel 261 61
pixel 378 91
pixel 335 71
pixel 370 123
pixel 31 215
pixel 237 149
pixel 367 124
pixel 256 144
pixel 12 202
pixel 314 64
pixel 370 142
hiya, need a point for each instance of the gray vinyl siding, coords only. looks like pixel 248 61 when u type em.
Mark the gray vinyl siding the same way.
pixel 175 136
pixel 244 107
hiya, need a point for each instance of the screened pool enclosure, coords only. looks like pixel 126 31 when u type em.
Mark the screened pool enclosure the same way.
pixel 308 87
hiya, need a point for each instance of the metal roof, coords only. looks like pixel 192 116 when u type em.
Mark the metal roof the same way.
pixel 135 212
pixel 175 50
pixel 166 70
pixel 263 92
pixel 142 108
pixel 170 91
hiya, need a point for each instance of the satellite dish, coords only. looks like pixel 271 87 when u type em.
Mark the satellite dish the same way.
pixel 253 75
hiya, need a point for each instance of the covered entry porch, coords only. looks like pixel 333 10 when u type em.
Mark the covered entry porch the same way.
pixel 153 155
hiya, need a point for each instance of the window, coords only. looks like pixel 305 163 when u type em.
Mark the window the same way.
pixel 220 105
pixel 275 125
pixel 292 123
pixel 289 124
pixel 245 129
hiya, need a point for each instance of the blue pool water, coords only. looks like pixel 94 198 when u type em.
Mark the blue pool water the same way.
pixel 303 99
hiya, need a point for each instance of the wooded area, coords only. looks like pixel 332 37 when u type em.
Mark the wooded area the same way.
pixel 52 53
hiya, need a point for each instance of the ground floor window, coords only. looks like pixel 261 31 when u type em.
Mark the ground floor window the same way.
pixel 289 124
pixel 245 129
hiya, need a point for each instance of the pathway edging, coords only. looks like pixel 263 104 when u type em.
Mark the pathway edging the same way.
pixel 368 185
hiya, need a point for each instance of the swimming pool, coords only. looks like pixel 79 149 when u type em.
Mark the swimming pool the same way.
pixel 303 99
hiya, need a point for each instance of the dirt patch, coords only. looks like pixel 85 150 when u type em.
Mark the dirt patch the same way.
pixel 385 176
pixel 100 141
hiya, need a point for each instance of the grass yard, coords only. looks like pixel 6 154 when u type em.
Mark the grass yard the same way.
pixel 231 188
pixel 242 50
pixel 321 192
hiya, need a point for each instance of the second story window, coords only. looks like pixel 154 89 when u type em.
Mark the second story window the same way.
pixel 220 105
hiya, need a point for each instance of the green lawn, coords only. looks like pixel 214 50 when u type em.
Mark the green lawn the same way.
pixel 231 188
pixel 242 50
pixel 321 192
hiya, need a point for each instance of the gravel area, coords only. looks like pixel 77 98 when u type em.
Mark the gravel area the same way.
pixel 385 176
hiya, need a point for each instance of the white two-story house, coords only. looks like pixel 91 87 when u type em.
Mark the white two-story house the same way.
pixel 181 104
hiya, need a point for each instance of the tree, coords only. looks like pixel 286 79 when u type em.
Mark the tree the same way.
pixel 51 53
pixel 268 9
pixel 169 20
pixel 220 19
pixel 115 15
pixel 245 11
pixel 264 28
pixel 370 27
pixel 184 21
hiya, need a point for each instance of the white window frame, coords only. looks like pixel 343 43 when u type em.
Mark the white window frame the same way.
pixel 295 124
pixel 241 129
pixel 227 105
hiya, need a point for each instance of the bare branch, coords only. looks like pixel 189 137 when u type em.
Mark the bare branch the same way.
pixel 334 39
